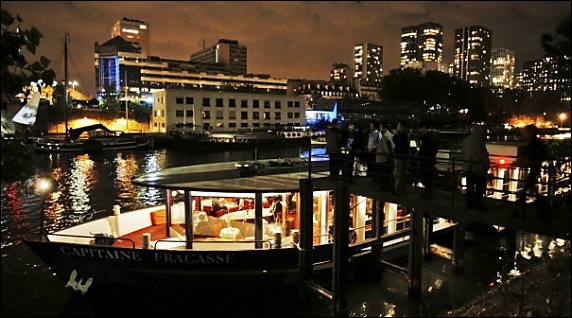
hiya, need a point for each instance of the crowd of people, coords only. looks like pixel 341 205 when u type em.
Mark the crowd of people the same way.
pixel 384 155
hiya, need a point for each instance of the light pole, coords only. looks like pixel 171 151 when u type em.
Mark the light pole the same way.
pixel 126 105
pixel 72 94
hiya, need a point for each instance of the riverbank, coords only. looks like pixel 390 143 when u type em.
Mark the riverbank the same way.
pixel 541 291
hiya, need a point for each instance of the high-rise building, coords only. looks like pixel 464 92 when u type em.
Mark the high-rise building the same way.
pixel 228 53
pixel 503 62
pixel 135 32
pixel 546 75
pixel 368 64
pixel 472 56
pixel 422 46
pixel 340 73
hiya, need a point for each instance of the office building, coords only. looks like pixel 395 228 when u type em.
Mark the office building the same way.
pixel 503 62
pixel 136 32
pixel 472 55
pixel 224 111
pixel 340 73
pixel 546 75
pixel 368 64
pixel 228 53
pixel 122 69
pixel 422 46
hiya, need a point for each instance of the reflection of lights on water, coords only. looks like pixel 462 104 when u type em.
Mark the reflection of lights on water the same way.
pixel 537 246
pixel 385 310
pixel 318 154
pixel 69 204
pixel 437 284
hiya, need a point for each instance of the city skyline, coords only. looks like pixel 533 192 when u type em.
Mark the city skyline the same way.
pixel 284 39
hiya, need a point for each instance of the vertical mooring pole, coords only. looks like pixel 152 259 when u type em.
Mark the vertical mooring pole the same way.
pixel 306 236
pixel 341 250
pixel 415 253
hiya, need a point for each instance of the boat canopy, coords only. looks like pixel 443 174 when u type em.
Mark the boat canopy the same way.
pixel 75 133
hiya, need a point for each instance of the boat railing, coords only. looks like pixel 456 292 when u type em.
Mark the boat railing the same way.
pixel 100 239
pixel 506 175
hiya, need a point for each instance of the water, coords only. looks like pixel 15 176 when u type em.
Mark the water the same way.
pixel 87 187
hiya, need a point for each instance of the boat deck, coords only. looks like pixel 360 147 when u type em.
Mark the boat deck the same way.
pixel 135 239
pixel 160 240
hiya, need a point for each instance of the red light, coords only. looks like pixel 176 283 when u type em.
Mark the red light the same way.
pixel 501 161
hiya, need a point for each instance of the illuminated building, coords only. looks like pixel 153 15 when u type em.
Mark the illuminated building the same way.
pixel 472 55
pixel 422 46
pixel 122 69
pixel 503 62
pixel 135 32
pixel 340 73
pixel 546 75
pixel 368 64
pixel 228 53
pixel 224 111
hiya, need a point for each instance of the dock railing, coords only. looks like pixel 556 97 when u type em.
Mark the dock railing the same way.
pixel 505 180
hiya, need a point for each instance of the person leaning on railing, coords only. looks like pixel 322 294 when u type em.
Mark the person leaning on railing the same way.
pixel 333 149
pixel 475 167
pixel 533 154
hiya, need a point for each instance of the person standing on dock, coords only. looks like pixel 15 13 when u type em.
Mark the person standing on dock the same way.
pixel 401 154
pixel 534 153
pixel 476 167
pixel 427 159
pixel 384 158
pixel 374 136
pixel 334 149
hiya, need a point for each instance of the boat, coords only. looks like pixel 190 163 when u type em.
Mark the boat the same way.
pixel 188 241
pixel 237 139
pixel 99 138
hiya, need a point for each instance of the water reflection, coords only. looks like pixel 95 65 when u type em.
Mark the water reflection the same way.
pixel 15 219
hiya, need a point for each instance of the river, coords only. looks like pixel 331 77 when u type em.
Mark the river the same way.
pixel 87 186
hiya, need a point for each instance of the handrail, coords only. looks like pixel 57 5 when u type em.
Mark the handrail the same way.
pixel 553 182
pixel 95 237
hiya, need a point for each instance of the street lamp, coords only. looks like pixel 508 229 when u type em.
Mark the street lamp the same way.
pixel 562 118
pixel 42 187
pixel 73 84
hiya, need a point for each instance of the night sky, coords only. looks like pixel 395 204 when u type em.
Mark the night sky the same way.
pixel 289 39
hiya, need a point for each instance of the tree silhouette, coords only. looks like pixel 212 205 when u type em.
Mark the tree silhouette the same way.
pixel 18 159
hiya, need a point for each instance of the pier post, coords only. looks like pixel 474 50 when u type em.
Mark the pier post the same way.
pixel 341 251
pixel 258 220
pixel 428 233
pixel 415 253
pixel 188 206
pixel 458 259
pixel 306 237
pixel 378 218
pixel 168 202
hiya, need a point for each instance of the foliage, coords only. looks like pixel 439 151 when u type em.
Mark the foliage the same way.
pixel 19 160
pixel 111 99
pixel 140 112
pixel 558 44
pixel 17 72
